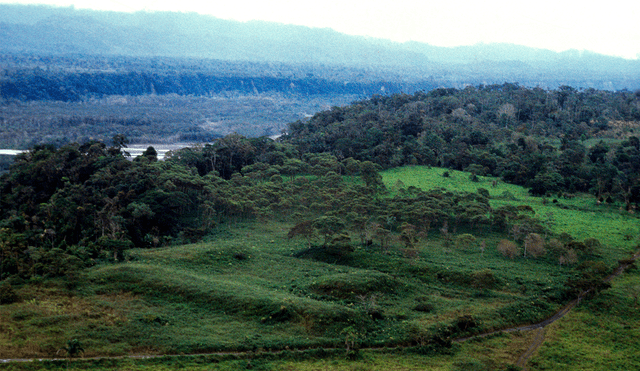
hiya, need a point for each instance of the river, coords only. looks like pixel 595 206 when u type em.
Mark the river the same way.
pixel 134 150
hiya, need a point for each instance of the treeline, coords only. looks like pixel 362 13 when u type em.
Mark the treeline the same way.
pixel 67 208
pixel 60 78
pixel 553 141
pixel 42 85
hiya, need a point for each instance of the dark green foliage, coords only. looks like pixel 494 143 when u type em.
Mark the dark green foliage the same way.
pixel 74 348
pixel 7 293
pixel 526 311
pixel 589 278
pixel 353 285
pixel 454 130
pixel 484 279
pixel 424 307
pixel 79 205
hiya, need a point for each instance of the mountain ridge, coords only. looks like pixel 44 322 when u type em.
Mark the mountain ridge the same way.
pixel 199 25
pixel 44 30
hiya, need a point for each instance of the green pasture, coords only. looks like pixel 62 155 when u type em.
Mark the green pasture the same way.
pixel 249 288
pixel 246 290
pixel 581 216
pixel 601 333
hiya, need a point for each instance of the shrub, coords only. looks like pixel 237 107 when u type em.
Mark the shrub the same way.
pixel 483 279
pixel 424 307
pixel 592 245
pixel 7 293
pixel 534 245
pixel 508 248
pixel 555 246
pixel 484 192
pixel 464 241
pixel 570 257
pixel 464 323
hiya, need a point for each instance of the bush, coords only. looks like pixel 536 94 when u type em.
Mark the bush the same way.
pixel 7 294
pixel 591 246
pixel 464 241
pixel 508 249
pixel 484 279
pixel 463 324
pixel 424 307
pixel 534 245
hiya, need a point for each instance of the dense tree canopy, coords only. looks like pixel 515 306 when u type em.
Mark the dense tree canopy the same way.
pixel 63 208
pixel 532 137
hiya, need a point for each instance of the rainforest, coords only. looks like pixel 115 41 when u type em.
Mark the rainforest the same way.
pixel 480 228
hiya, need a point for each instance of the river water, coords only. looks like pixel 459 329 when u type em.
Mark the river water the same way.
pixel 134 150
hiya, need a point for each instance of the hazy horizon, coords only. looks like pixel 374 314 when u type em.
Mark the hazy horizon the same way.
pixel 557 26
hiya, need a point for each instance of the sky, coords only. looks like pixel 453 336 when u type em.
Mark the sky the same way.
pixel 610 27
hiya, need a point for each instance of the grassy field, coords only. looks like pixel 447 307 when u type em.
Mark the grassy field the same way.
pixel 581 216
pixel 601 334
pixel 248 288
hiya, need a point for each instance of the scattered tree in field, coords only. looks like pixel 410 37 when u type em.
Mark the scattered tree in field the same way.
pixel 328 226
pixel 7 293
pixel 634 291
pixel 591 246
pixel 570 257
pixel 465 241
pixel 484 279
pixel 591 277
pixel 534 245
pixel 303 229
pixel 382 234
pixel 508 248
pixel 444 232
pixel 408 235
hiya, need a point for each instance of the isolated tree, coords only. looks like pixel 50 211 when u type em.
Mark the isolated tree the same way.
pixel 119 141
pixel 328 226
pixel 408 235
pixel 508 248
pixel 382 234
pixel 73 349
pixel 534 245
pixel 150 154
pixel 303 229
pixel 465 241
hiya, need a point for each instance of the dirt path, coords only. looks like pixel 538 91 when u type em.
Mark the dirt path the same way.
pixel 522 360
pixel 537 342
pixel 539 338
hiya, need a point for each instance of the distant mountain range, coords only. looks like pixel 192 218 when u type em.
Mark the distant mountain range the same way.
pixel 51 30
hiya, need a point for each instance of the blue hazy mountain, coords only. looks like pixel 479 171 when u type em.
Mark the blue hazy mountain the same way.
pixel 51 30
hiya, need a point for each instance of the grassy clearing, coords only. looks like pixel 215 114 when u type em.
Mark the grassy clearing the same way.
pixel 250 288
pixel 244 290
pixel 581 216
pixel 600 334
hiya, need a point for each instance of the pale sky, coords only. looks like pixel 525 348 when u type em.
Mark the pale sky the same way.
pixel 611 27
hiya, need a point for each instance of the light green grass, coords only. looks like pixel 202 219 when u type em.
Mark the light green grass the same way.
pixel 247 288
pixel 244 289
pixel 601 334
pixel 581 217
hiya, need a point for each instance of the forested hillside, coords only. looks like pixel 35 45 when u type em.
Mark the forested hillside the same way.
pixel 331 202
pixel 62 99
pixel 356 229
pixel 555 142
